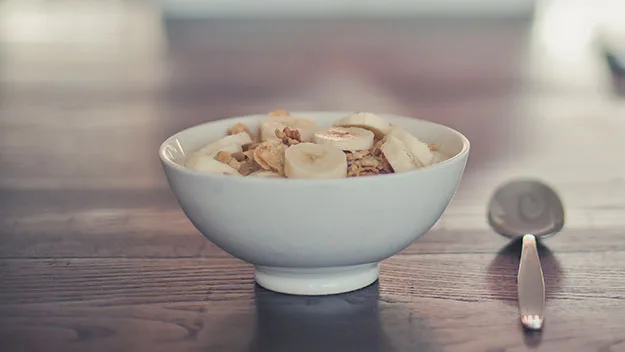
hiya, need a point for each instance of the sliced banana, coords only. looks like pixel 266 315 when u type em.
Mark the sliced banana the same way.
pixel 438 157
pixel 265 174
pixel 310 160
pixel 206 163
pixel 420 151
pixel 398 156
pixel 306 127
pixel 345 138
pixel 231 144
pixel 379 126
pixel 405 152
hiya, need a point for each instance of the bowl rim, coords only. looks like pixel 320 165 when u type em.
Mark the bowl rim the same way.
pixel 167 162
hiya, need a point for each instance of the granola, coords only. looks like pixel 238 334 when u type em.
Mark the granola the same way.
pixel 249 146
pixel 377 147
pixel 239 156
pixel 354 152
pixel 227 158
pixel 270 156
pixel 249 167
pixel 366 163
pixel 239 161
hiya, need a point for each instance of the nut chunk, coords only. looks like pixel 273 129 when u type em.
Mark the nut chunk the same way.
pixel 243 162
pixel 228 159
pixel 239 156
pixel 249 167
pixel 241 127
pixel 270 156
pixel 365 163
pixel 288 136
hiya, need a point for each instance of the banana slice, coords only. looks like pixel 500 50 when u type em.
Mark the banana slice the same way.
pixel 265 174
pixel 306 127
pixel 405 152
pixel 345 138
pixel 206 163
pixel 438 157
pixel 398 156
pixel 310 160
pixel 420 151
pixel 379 126
pixel 231 144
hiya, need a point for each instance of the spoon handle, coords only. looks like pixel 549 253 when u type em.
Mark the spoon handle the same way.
pixel 531 285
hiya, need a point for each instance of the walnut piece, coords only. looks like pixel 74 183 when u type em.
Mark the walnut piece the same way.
pixel 365 163
pixel 270 156
pixel 433 147
pixel 249 167
pixel 289 136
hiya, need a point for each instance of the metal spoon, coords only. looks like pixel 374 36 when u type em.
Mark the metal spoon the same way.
pixel 528 209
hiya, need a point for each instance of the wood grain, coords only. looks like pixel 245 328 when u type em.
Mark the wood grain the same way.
pixel 191 303
pixel 95 253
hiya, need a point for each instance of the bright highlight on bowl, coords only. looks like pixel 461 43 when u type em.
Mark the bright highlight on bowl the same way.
pixel 287 146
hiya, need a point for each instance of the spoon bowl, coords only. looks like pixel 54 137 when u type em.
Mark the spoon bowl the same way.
pixel 526 206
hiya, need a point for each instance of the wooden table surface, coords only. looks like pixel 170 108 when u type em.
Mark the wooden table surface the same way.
pixel 96 255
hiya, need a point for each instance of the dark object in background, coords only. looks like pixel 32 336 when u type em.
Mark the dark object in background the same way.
pixel 612 48
pixel 616 63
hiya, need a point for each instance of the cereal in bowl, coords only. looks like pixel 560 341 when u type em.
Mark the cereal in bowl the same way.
pixel 360 144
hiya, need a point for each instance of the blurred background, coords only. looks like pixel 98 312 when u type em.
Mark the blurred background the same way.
pixel 81 71
pixel 129 41
pixel 90 88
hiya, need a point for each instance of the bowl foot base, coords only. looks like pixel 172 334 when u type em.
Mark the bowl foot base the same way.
pixel 317 281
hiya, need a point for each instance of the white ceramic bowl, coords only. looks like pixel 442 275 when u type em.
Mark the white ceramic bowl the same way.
pixel 314 237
